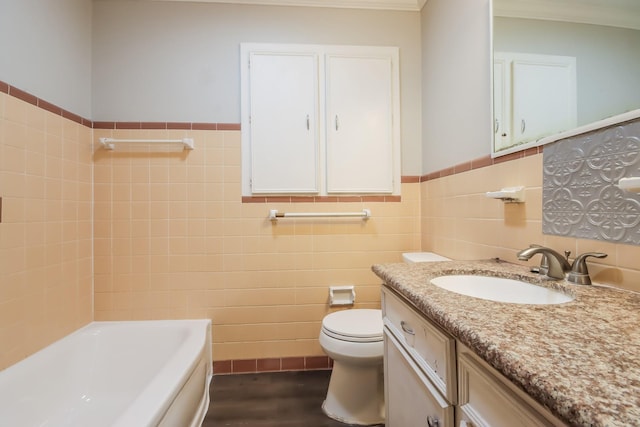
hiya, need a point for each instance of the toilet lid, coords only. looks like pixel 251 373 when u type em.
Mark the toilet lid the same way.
pixel 354 325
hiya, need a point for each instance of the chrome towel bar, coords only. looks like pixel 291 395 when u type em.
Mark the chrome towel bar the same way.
pixel 274 215
pixel 109 143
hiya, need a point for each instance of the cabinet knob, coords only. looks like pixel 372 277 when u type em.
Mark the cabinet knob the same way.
pixel 433 422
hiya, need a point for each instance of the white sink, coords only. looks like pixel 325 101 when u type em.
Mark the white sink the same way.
pixel 500 289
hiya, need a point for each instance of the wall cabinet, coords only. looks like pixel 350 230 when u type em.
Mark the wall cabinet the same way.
pixel 421 373
pixel 284 116
pixel 534 96
pixel 320 120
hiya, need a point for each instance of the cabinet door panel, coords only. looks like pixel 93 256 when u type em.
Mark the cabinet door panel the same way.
pixel 284 137
pixel 487 400
pixel 501 101
pixel 359 124
pixel 411 400
pixel 544 99
pixel 432 350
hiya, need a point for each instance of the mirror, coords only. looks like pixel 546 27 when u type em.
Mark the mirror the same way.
pixel 604 38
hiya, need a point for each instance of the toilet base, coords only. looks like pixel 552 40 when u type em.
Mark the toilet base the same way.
pixel 356 394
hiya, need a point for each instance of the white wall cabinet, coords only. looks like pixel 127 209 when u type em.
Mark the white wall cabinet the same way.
pixel 421 373
pixel 320 120
pixel 283 125
pixel 534 96
pixel 360 124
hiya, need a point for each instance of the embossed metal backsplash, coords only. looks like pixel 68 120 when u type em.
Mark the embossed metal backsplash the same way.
pixel 580 197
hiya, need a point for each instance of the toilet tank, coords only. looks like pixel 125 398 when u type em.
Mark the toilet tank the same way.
pixel 412 257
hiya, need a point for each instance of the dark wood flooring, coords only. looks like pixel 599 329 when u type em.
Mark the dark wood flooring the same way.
pixel 283 399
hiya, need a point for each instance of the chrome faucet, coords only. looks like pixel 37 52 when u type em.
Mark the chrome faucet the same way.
pixel 557 264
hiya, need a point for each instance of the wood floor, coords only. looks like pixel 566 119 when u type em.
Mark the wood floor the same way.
pixel 283 399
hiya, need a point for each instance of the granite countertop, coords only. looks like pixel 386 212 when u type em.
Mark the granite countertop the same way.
pixel 580 359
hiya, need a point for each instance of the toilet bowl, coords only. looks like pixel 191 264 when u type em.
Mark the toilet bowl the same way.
pixel 353 339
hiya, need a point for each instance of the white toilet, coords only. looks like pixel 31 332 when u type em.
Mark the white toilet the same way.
pixel 353 339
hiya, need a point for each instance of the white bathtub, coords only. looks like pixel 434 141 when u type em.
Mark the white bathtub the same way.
pixel 117 374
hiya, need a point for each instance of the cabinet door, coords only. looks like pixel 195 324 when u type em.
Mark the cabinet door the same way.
pixel 359 124
pixel 489 400
pixel 411 400
pixel 501 102
pixel 544 97
pixel 283 121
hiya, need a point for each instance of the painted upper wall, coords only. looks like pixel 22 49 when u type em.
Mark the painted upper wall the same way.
pixel 162 61
pixel 46 50
pixel 456 82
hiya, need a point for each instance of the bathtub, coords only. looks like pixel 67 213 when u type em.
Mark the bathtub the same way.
pixel 117 374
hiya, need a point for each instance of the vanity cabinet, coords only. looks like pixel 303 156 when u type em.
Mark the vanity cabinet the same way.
pixel 419 366
pixel 433 380
pixel 486 398
pixel 411 399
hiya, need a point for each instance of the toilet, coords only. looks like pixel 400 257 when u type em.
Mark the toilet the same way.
pixel 353 339
pixel 416 257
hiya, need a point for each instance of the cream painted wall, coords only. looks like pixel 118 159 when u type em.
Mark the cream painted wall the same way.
pixel 46 50
pixel 456 92
pixel 163 61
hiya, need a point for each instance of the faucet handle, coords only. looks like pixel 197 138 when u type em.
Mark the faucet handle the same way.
pixel 579 272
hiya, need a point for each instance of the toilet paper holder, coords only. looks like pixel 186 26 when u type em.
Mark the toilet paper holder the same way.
pixel 342 295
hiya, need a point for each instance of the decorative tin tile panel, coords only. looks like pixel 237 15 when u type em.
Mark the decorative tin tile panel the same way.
pixel 579 195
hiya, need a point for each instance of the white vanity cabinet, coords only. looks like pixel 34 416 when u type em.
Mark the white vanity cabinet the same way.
pixel 411 399
pixel 419 366
pixel 486 398
pixel 432 380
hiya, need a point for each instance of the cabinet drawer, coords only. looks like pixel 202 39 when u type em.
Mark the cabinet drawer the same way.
pixel 487 399
pixel 432 349
pixel 411 399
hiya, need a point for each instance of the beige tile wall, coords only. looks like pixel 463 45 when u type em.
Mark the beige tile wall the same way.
pixel 46 228
pixel 459 221
pixel 174 240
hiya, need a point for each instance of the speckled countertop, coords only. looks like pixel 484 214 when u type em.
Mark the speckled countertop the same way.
pixel 580 359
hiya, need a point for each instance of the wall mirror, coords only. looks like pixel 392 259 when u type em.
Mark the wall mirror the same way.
pixel 537 93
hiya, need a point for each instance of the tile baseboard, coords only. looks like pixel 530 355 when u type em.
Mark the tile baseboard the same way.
pixel 303 363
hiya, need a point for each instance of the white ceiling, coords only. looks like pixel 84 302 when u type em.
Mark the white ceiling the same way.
pixel 407 5
pixel 619 13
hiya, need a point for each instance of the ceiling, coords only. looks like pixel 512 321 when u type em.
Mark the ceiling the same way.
pixel 620 13
pixel 406 5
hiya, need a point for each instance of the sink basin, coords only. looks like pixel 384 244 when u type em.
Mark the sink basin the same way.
pixel 500 289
